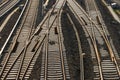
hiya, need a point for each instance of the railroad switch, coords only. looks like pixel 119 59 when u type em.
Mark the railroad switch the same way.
pixel 84 20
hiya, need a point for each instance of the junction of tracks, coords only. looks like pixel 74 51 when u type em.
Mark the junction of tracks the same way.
pixel 58 40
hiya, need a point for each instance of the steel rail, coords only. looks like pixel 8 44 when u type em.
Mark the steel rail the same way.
pixel 10 37
pixel 46 40
pixel 45 18
pixel 22 51
pixel 46 47
pixel 92 21
pixel 49 26
pixel 107 40
pixel 112 56
pixel 39 46
pixel 60 45
pixel 93 41
pixel 95 46
pixel 28 37
pixel 47 37
pixel 2 4
pixel 105 34
pixel 9 6
pixel 108 45
pixel 98 54
pixel 79 46
pixel 13 29
pixel 46 57
pixel 15 43
pixel 60 49
pixel 109 48
pixel 46 43
pixel 15 40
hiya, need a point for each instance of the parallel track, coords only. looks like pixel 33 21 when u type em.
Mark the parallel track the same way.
pixel 94 31
pixel 3 2
pixel 107 65
pixel 4 8
pixel 22 59
pixel 54 64
pixel 16 56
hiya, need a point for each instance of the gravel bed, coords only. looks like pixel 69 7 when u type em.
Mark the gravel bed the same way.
pixel 112 26
pixel 114 30
pixel 71 46
pixel 8 27
pixel 35 74
pixel 88 67
pixel 10 24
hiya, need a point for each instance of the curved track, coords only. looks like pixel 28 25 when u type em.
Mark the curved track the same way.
pixel 107 66
pixel 79 47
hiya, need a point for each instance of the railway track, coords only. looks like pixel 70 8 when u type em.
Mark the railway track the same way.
pixel 79 47
pixel 2 2
pixel 54 64
pixel 28 44
pixel 107 67
pixel 4 8
pixel 14 63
